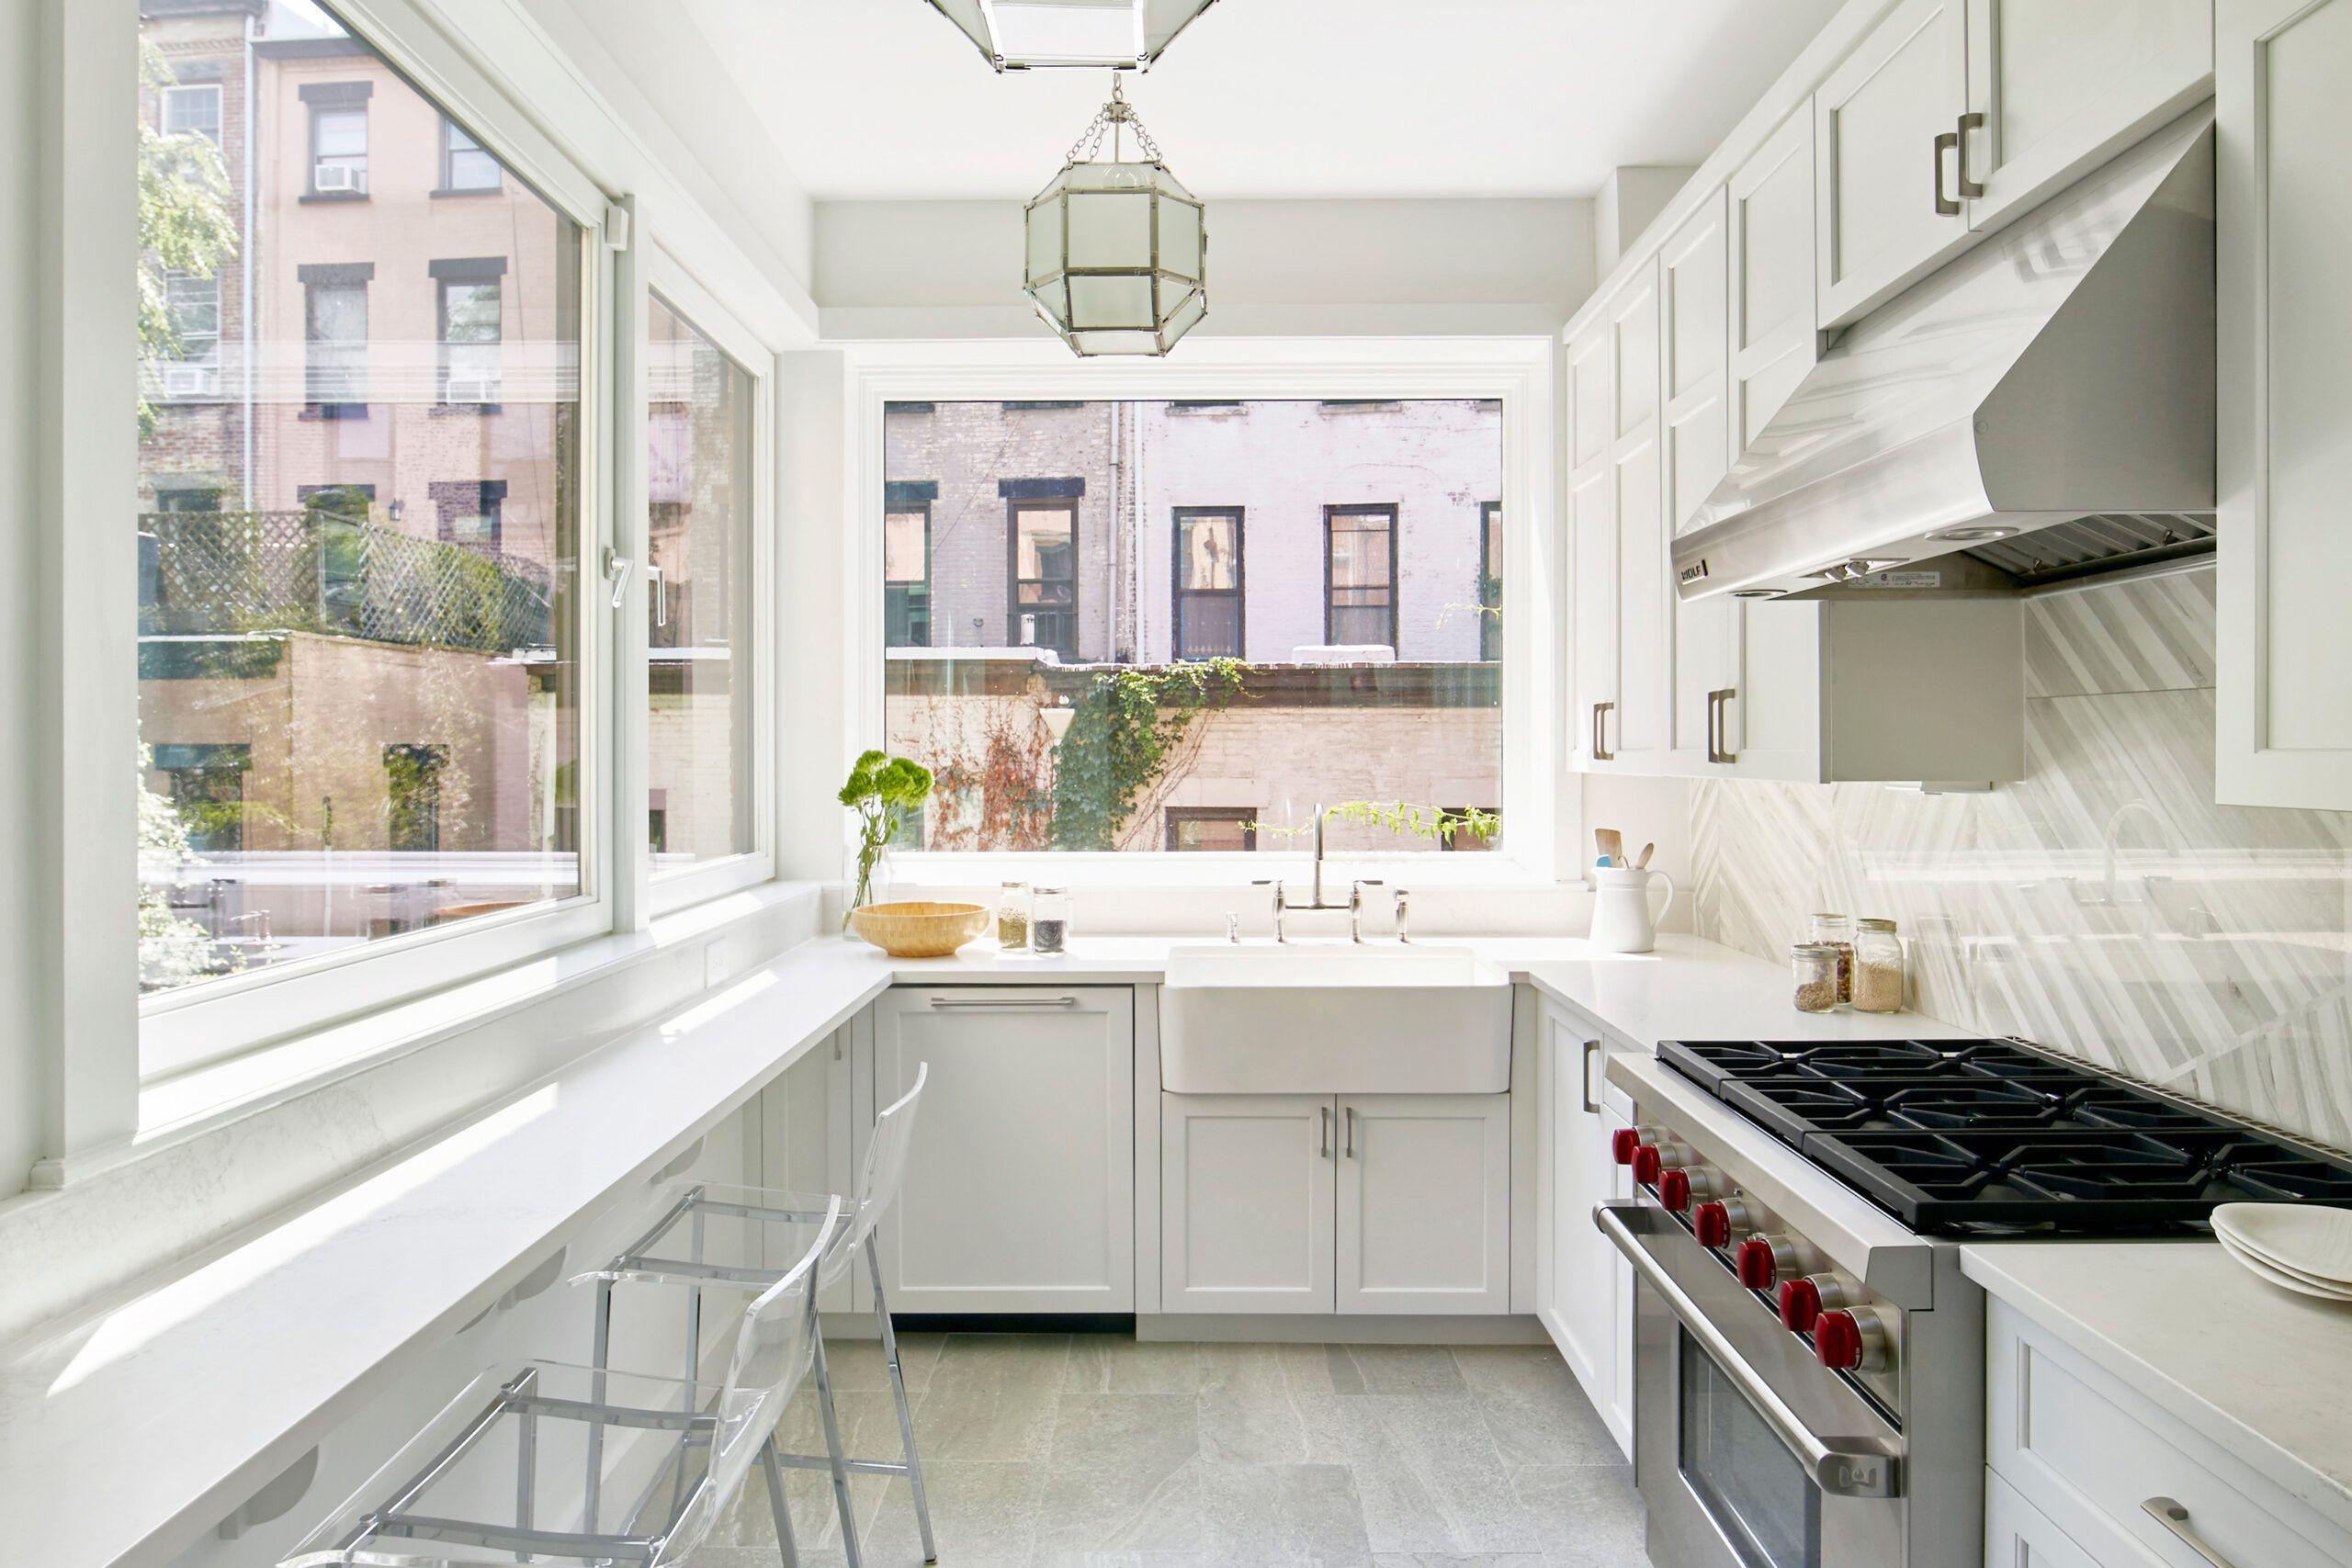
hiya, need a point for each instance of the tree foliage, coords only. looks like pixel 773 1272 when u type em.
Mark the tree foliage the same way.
pixel 185 223
pixel 1126 731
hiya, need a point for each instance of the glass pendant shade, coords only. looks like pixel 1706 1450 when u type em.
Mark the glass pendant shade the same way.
pixel 1024 35
pixel 1118 255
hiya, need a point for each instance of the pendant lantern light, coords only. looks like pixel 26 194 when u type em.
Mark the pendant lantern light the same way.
pixel 1117 251
pixel 1028 35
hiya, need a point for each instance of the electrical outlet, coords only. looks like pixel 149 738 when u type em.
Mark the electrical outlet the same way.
pixel 714 963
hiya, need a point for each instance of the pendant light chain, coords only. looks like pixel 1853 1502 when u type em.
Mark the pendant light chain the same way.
pixel 1107 119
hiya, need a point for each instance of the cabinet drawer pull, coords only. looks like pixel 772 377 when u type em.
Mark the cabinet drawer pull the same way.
pixel 1947 141
pixel 1591 1105
pixel 1004 1001
pixel 1323 1120
pixel 2174 1518
pixel 1600 752
pixel 1968 188
pixel 1719 725
pixel 1351 1132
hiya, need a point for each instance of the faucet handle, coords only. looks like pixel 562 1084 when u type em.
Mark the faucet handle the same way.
pixel 1355 893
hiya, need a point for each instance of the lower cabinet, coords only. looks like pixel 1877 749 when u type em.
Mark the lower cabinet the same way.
pixel 1584 1288
pixel 2018 1535
pixel 1020 1188
pixel 1355 1204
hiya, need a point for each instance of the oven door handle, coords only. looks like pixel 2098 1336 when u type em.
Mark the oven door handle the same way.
pixel 1843 1467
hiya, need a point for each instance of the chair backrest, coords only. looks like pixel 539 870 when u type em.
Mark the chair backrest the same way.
pixel 774 1350
pixel 884 1174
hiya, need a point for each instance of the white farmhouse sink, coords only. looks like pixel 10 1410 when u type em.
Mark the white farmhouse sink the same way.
pixel 1306 1020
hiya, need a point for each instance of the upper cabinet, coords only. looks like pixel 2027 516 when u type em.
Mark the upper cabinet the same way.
pixel 2284 114
pixel 1774 338
pixel 1885 147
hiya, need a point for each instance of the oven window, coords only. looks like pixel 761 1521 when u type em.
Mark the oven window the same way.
pixel 1746 1478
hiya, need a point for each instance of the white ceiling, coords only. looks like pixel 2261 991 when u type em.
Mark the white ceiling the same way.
pixel 885 98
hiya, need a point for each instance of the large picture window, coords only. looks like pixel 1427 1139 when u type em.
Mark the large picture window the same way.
pixel 1163 626
pixel 359 623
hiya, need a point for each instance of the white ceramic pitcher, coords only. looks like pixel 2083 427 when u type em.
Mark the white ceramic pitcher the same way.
pixel 1622 921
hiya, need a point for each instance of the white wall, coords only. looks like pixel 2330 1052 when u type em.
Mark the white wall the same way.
pixel 22 1088
pixel 1625 205
pixel 915 269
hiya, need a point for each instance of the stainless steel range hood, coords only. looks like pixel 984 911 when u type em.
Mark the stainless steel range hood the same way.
pixel 2043 403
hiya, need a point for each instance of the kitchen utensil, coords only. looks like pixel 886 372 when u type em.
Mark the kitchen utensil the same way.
pixel 2303 1239
pixel 917 930
pixel 1642 861
pixel 2280 1277
pixel 1611 843
pixel 1622 921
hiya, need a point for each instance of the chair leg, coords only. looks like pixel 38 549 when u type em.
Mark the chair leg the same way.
pixel 898 1392
pixel 834 1452
pixel 776 1504
pixel 600 1352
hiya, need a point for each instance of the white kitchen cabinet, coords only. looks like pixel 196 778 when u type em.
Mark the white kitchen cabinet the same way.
pixel 2283 103
pixel 1584 1288
pixel 1592 550
pixel 1639 737
pixel 1770 234
pixel 2057 87
pixel 1886 129
pixel 1020 1190
pixel 1248 1205
pixel 1424 1203
pixel 1694 353
pixel 2018 1535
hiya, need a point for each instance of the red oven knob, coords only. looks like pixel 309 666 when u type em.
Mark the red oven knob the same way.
pixel 1710 1223
pixel 1850 1341
pixel 1647 1165
pixel 1800 1305
pixel 1760 1258
pixel 1674 1190
pixel 1623 1142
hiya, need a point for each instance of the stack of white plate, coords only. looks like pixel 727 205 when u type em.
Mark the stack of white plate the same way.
pixel 2304 1247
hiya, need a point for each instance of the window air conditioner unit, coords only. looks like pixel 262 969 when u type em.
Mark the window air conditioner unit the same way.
pixel 330 177
pixel 190 380
pixel 471 389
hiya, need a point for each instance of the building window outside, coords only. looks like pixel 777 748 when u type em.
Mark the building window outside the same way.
pixel 1043 540
pixel 700 685
pixel 471 330
pixel 906 575
pixel 193 301
pixel 1208 567
pixel 334 343
pixel 206 789
pixel 193 109
pixel 466 168
pixel 1490 581
pixel 1360 576
pixel 339 597
pixel 412 798
pixel 1210 828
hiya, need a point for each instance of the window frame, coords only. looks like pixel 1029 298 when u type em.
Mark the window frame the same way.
pixel 190 89
pixel 1490 641
pixel 1014 506
pixel 700 307
pixel 1239 592
pixel 1173 816
pixel 319 111
pixel 444 280
pixel 448 186
pixel 1395 605
pixel 1517 373
pixel 907 509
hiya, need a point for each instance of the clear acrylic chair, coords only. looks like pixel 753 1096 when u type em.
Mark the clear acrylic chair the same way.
pixel 710 1237
pixel 583 1467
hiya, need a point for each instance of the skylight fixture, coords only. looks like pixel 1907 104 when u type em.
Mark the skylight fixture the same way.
pixel 1117 251
pixel 1026 35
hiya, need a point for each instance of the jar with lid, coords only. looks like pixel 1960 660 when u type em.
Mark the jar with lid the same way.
pixel 1837 932
pixel 1877 968
pixel 1012 916
pixel 1813 965
pixel 1050 919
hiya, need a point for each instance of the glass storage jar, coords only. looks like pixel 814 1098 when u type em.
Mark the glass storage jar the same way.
pixel 1877 968
pixel 1012 916
pixel 1050 919
pixel 1837 931
pixel 1813 965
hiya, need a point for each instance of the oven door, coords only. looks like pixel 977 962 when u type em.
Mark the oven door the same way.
pixel 1748 1453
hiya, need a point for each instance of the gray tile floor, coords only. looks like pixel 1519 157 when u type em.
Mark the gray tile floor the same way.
pixel 1099 1452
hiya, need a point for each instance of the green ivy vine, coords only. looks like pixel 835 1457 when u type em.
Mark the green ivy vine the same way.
pixel 1123 732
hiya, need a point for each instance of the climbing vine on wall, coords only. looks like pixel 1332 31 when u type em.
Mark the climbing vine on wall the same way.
pixel 1129 733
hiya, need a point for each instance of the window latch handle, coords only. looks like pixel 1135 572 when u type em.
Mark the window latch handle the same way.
pixel 617 570
pixel 657 584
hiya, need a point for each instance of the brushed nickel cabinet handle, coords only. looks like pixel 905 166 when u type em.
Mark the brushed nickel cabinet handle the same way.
pixel 2174 1518
pixel 1601 732
pixel 1969 188
pixel 1714 751
pixel 1946 141
pixel 1719 731
pixel 1351 1132
pixel 1022 1003
pixel 1591 1106
pixel 1323 1120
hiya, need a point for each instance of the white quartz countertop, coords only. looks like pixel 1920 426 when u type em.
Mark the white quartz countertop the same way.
pixel 2262 1372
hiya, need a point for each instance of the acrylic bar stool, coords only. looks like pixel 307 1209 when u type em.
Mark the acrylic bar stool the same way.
pixel 581 1467
pixel 687 1226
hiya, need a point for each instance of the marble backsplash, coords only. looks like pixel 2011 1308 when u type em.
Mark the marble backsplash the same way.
pixel 2105 905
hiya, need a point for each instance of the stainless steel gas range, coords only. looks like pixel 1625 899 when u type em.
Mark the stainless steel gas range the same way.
pixel 1809 1360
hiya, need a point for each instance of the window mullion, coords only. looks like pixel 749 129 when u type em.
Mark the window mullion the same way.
pixel 630 867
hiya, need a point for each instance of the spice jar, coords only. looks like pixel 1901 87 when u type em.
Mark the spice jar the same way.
pixel 1012 916
pixel 1813 965
pixel 1837 931
pixel 1050 919
pixel 1878 967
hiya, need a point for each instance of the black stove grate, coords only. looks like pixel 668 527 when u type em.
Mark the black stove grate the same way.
pixel 1993 1136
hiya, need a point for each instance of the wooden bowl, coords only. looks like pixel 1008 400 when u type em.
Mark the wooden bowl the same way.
pixel 915 929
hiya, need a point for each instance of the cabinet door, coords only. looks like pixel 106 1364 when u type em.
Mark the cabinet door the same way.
pixel 1632 321
pixel 1616 1116
pixel 1769 725
pixel 1020 1188
pixel 1773 339
pixel 1592 524
pixel 2064 85
pixel 1247 1202
pixel 1574 1293
pixel 1424 1203
pixel 1886 209
pixel 2283 97
pixel 1693 290
pixel 2018 1535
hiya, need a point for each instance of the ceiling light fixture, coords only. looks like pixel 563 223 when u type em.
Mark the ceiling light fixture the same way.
pixel 1028 35
pixel 1117 253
